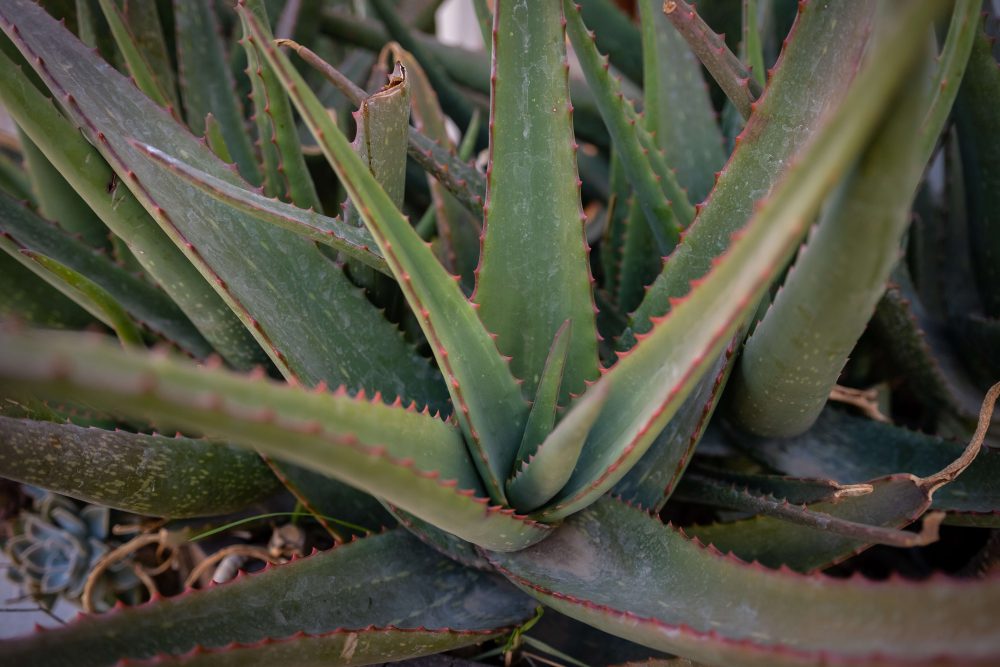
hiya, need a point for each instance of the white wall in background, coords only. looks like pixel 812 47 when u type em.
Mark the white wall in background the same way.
pixel 456 24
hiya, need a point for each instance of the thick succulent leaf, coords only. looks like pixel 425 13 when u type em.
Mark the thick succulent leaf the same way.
pixel 728 71
pixel 665 366
pixel 89 295
pixel 382 123
pixel 454 101
pixel 616 216
pixel 146 474
pixel 414 601
pixel 285 172
pixel 677 106
pixel 651 480
pixel 534 273
pixel 797 490
pixel 355 242
pixel 543 473
pixel 617 36
pixel 144 302
pixel 414 461
pixel 635 158
pixel 962 30
pixel 634 577
pixel 640 260
pixel 462 180
pixel 142 73
pixel 795 355
pixel 207 85
pixel 851 450
pixel 979 130
pixel 922 352
pixel 58 201
pixel 818 65
pixel 432 151
pixel 488 400
pixel 264 273
pixel 27 298
pixel 93 29
pixel 752 45
pixel 14 180
pixel 979 344
pixel 364 646
pixel 458 229
pixel 467 68
pixel 84 168
pixel 813 537
pixel 542 417
pixel 144 25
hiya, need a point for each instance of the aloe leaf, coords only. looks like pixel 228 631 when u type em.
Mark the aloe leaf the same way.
pixel 414 461
pixel 432 151
pixel 652 479
pixel 263 273
pixel 27 298
pixel 635 158
pixel 667 363
pixel 285 171
pixel 954 58
pixel 676 102
pixel 851 450
pixel 369 645
pixel 617 36
pixel 14 180
pixel 380 140
pixel 488 400
pixel 618 210
pixel 542 417
pixel 88 294
pixel 796 353
pixel 142 73
pixel 382 122
pixel 58 201
pixel 809 538
pixel 979 338
pixel 207 85
pixel 640 260
pixel 461 180
pixel 457 227
pixel 797 490
pixel 819 63
pixel 533 203
pixel 415 602
pixel 354 242
pixel 752 47
pixel 146 474
pixel 143 21
pixel 144 302
pixel 453 100
pixel 981 162
pixel 93 29
pixel 922 351
pixel 84 168
pixel 545 471
pixel 215 140
pixel 484 18
pixel 467 68
pixel 644 581
pixel 727 70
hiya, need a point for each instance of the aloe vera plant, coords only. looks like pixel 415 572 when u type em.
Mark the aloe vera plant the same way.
pixel 524 388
